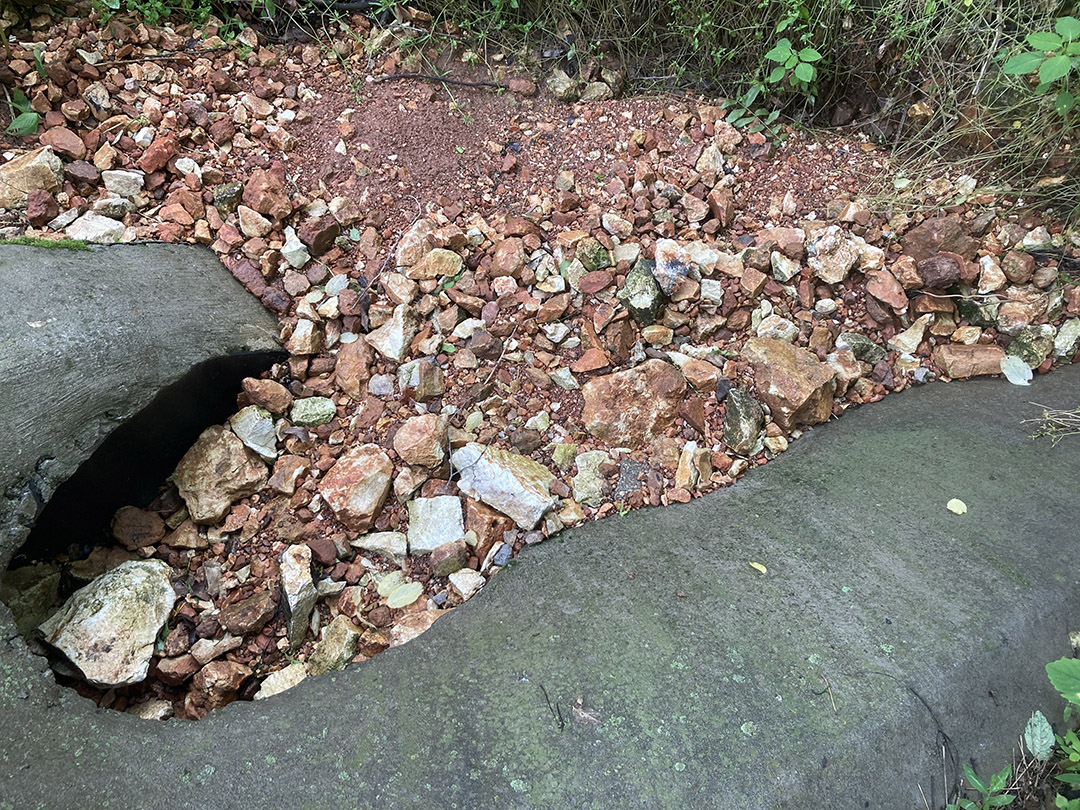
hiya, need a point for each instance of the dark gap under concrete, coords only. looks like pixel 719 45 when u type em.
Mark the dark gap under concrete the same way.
pixel 132 463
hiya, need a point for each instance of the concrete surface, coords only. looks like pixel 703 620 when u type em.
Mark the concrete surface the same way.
pixel 641 661
pixel 88 340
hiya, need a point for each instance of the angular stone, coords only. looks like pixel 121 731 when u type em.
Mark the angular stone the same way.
pixel 135 528
pixel 412 625
pixel 421 440
pixel 337 647
pixel 216 472
pixel 434 521
pixel 778 328
pixel 277 682
pixel 641 293
pixel 422 380
pixel 252 223
pixel 30 592
pixel 795 385
pixel 313 411
pixel 206 650
pixel 940 271
pixel 287 471
pixel 92 227
pixel 414 243
pixel 248 615
pixel 885 288
pixel 353 368
pixel 319 234
pixel 935 235
pixel 861 346
pixel 673 262
pixel 436 263
pixel 174 671
pixel 356 487
pixel 186 535
pixel 391 545
pixel 108 628
pixel 744 420
pixel 961 362
pixel 215 685
pixel 589 482
pixel 38 169
pixel 123 183
pixel 265 192
pixel 907 342
pixel 630 408
pixel 254 426
pixel 306 338
pixel 448 558
pixel 298 591
pixel 514 485
pixel 832 254
pixel 268 394
pixel 467 582
pixel 163 149
pixel 392 339
pixel 1067 340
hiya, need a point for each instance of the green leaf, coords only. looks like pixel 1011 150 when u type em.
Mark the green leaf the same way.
pixel 999 801
pixel 776 75
pixel 1073 49
pixel 1022 63
pixel 809 55
pixel 405 595
pixel 1068 27
pixel 1064 102
pixel 975 781
pixel 805 72
pixel 1039 737
pixel 742 122
pixel 734 114
pixel 1044 41
pixel 1064 675
pixel 780 52
pixel 25 124
pixel 792 61
pixel 1069 778
pixel 999 779
pixel 1055 68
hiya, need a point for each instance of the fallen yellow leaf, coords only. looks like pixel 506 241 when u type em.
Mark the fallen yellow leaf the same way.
pixel 759 567
pixel 956 506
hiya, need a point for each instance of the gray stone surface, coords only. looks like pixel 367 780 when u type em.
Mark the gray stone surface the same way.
pixel 88 340
pixel 699 678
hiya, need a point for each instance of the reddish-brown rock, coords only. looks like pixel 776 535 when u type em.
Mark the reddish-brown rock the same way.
pixel 946 233
pixel 421 440
pixel 248 615
pixel 509 258
pixel 885 288
pixel 356 487
pixel 268 394
pixel 630 408
pixel 41 207
pixel 319 234
pixel 265 192
pixel 215 685
pixel 64 142
pixel 135 528
pixel 797 387
pixel 174 671
pixel 353 369
pixel 158 153
pixel 960 362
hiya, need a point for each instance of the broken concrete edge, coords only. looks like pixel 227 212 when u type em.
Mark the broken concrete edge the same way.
pixel 160 312
pixel 854 506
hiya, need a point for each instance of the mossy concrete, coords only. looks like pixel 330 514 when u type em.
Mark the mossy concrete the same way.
pixel 89 339
pixel 642 662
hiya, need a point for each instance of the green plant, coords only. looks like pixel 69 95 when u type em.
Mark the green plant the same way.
pixel 24 121
pixel 796 66
pixel 992 795
pixel 1055 55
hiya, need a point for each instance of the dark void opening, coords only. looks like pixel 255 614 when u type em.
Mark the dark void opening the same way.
pixel 137 457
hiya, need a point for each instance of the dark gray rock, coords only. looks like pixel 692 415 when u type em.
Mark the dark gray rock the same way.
pixel 641 294
pixel 743 421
